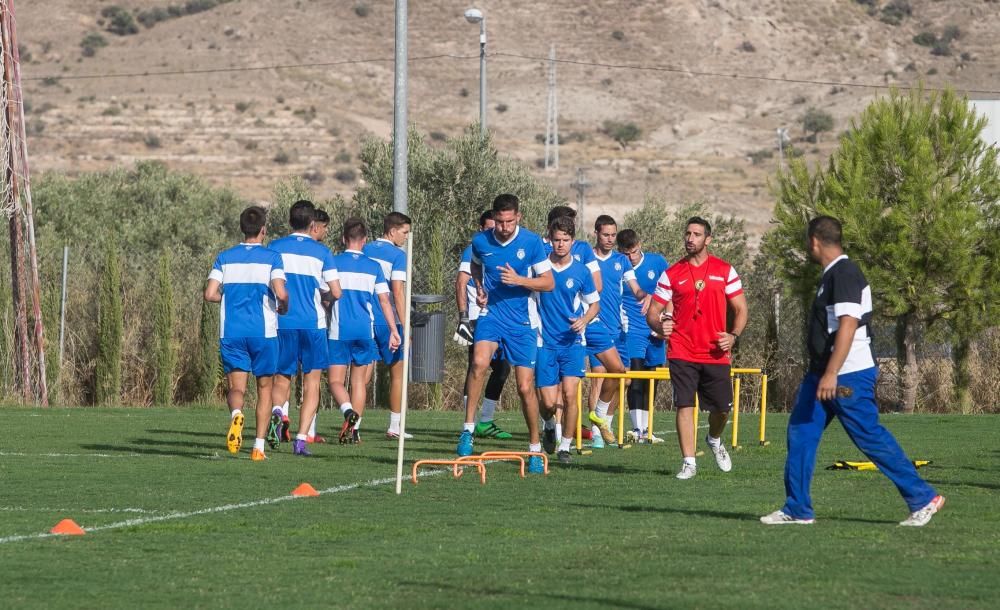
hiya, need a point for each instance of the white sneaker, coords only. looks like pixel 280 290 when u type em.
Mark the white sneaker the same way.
pixel 780 518
pixel 649 437
pixel 687 471
pixel 633 436
pixel 923 516
pixel 721 455
pixel 393 435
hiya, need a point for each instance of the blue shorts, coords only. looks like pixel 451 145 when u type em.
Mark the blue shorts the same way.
pixel 649 349
pixel 360 352
pixel 257 355
pixel 519 343
pixel 555 363
pixel 306 346
pixel 382 335
pixel 656 352
pixel 600 339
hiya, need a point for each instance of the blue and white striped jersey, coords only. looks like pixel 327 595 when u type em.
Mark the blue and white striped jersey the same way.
pixel 647 272
pixel 525 253
pixel 309 267
pixel 573 291
pixel 248 306
pixel 361 281
pixel 392 259
pixel 616 269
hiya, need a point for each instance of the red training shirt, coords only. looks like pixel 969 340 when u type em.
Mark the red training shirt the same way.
pixel 699 315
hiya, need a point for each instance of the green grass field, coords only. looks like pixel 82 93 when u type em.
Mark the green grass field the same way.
pixel 161 499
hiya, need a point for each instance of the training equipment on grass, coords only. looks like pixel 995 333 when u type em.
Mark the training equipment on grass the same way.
pixel 305 490
pixel 456 465
pixel 67 527
pixel 499 455
pixel 847 465
pixel 494 457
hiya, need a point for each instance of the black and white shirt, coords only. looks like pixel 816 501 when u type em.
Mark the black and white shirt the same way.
pixel 844 291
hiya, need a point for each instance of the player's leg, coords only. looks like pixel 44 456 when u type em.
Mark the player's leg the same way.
pixel 571 371
pixel 521 347
pixel 499 371
pixel 547 382
pixel 339 353
pixel 715 388
pixel 264 362
pixel 237 382
pixel 604 409
pixel 684 380
pixel 636 394
pixel 655 357
pixel 482 354
pixel 359 395
pixel 857 410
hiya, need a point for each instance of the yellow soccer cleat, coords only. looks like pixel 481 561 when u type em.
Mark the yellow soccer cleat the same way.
pixel 606 433
pixel 234 439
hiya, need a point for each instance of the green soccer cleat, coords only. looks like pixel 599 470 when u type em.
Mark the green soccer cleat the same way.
pixel 489 429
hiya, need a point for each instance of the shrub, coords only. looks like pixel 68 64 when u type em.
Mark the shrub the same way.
pixel 152 140
pixel 111 111
pixel 501 108
pixel 361 9
pixel 110 332
pixel 91 42
pixel 941 49
pixel 896 11
pixel 758 156
pixel 242 106
pixel 438 136
pixel 622 133
pixel 463 92
pixel 119 21
pixel 925 39
pixel 313 176
pixel 950 33
pixel 815 121
pixel 748 46
pixel 281 157
pixel 50 81
pixel 343 157
pixel 164 350
pixel 346 176
pixel 618 35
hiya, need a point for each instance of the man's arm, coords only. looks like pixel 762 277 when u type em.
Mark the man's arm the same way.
pixel 461 292
pixel 213 291
pixel 280 294
pixel 543 282
pixel 827 389
pixel 398 288
pixel 386 305
pixel 655 318
pixel 741 314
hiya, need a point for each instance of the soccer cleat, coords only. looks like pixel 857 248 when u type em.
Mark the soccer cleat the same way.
pixel 286 429
pixel 535 465
pixel 649 437
pixel 549 440
pixel 633 436
pixel 393 435
pixel 316 438
pixel 564 457
pixel 355 436
pixel 597 442
pixel 273 436
pixel 606 433
pixel 687 471
pixel 923 516
pixel 234 439
pixel 299 448
pixel 489 429
pixel 464 444
pixel 721 455
pixel 257 455
pixel 350 419
pixel 781 518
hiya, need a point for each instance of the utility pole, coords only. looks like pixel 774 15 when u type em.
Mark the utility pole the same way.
pixel 782 138
pixel 552 115
pixel 581 185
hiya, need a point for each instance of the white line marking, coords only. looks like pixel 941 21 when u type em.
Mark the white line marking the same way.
pixel 29 509
pixel 215 509
pixel 101 455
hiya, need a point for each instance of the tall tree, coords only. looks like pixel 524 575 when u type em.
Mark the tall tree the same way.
pixel 164 348
pixel 110 333
pixel 913 184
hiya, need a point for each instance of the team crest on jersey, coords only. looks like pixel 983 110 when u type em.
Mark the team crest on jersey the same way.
pixel 651 275
pixel 355 256
pixel 520 254
pixel 299 238
pixel 576 257
pixel 618 266
pixel 569 283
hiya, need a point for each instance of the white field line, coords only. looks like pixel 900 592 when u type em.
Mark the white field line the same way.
pixel 99 455
pixel 30 509
pixel 212 510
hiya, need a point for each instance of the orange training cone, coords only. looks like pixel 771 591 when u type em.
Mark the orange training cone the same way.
pixel 305 490
pixel 67 527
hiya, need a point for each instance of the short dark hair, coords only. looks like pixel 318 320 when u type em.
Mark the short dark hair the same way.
pixel 698 220
pixel 252 220
pixel 486 215
pixel 321 217
pixel 602 221
pixel 354 229
pixel 561 211
pixel 301 214
pixel 564 224
pixel 827 230
pixel 627 239
pixel 506 203
pixel 395 220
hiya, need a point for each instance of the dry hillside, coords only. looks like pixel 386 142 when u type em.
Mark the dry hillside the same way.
pixel 247 128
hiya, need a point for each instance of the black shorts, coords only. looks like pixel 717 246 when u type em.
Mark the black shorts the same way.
pixel 712 382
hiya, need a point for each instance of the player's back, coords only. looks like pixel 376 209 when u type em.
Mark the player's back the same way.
pixel 248 307
pixel 392 259
pixel 361 279
pixel 309 266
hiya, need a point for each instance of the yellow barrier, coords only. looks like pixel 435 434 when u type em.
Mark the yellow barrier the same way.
pixel 651 376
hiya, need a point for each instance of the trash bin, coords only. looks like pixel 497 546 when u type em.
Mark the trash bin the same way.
pixel 427 338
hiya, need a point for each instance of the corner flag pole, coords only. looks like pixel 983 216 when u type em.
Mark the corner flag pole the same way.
pixel 404 403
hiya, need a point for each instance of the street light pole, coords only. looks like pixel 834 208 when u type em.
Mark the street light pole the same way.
pixel 400 201
pixel 474 15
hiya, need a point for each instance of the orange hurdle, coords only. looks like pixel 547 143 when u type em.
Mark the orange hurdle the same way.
pixel 456 466
pixel 521 454
pixel 507 458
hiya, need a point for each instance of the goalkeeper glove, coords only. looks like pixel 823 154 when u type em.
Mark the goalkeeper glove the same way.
pixel 463 334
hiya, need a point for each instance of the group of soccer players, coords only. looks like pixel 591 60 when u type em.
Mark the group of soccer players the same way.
pixel 294 305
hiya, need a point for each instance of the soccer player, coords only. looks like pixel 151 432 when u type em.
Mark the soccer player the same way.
pixel 388 252
pixel 606 339
pixel 469 310
pixel 310 272
pixel 352 333
pixel 561 359
pixel 700 287
pixel 841 383
pixel 508 264
pixel 249 282
pixel 645 352
pixel 581 251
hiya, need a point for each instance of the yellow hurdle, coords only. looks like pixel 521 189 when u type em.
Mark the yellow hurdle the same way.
pixel 736 412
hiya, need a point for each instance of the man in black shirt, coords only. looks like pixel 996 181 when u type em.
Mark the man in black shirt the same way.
pixel 841 383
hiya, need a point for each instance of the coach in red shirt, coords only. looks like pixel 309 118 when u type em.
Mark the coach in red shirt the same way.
pixel 689 309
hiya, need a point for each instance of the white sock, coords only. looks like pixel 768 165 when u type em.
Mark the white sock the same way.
pixel 301 437
pixel 488 409
pixel 258 443
pixel 643 419
pixel 312 427
pixel 469 427
pixel 558 430
pixel 610 420
pixel 357 426
pixel 284 409
pixel 536 448
pixel 394 422
pixel 634 417
pixel 713 441
pixel 550 424
pixel 690 460
pixel 564 444
pixel 235 412
pixel 601 408
pixel 344 408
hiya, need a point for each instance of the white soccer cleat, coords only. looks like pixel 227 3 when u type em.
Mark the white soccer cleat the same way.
pixel 780 518
pixel 721 456
pixel 923 516
pixel 687 471
pixel 649 437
